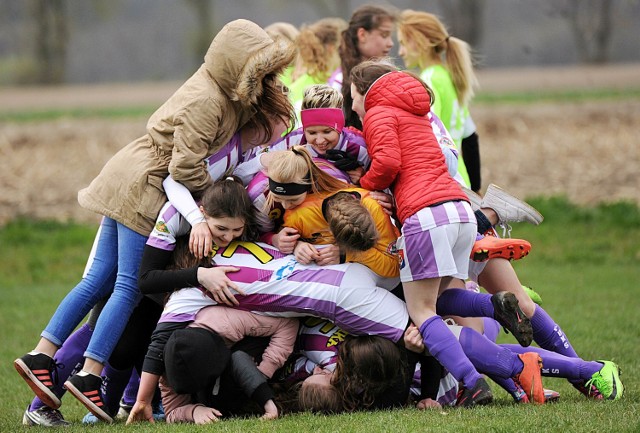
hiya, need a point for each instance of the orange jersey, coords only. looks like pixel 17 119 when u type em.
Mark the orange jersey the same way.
pixel 314 229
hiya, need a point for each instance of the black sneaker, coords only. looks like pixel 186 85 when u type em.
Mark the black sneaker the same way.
pixel 45 417
pixel 87 389
pixel 480 394
pixel 37 370
pixel 506 310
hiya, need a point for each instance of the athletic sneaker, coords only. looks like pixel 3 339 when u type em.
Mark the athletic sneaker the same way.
pixel 474 198
pixel 508 207
pixel 535 297
pixel 38 371
pixel 507 312
pixel 490 247
pixel 45 417
pixel 87 389
pixel 607 381
pixel 530 378
pixel 480 394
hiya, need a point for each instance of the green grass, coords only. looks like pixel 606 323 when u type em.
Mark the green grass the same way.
pixel 584 263
pixel 75 113
pixel 555 96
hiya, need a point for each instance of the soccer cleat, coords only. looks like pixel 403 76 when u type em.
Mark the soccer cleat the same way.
pixel 551 396
pixel 530 378
pixel 87 390
pixel 37 370
pixel 535 297
pixel 507 312
pixel 490 247
pixel 590 392
pixel 509 208
pixel 480 394
pixel 474 198
pixel 45 417
pixel 607 381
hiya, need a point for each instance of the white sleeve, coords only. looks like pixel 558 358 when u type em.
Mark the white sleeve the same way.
pixel 183 201
pixel 248 169
pixel 469 127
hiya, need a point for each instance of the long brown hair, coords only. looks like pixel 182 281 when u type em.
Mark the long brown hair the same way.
pixel 368 17
pixel 368 367
pixel 273 105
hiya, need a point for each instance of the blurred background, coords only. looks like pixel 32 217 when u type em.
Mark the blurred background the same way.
pixel 96 41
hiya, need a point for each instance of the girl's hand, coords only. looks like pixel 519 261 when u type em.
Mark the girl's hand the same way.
pixel 385 200
pixel 355 175
pixel 205 415
pixel 270 410
pixel 216 282
pixel 141 411
pixel 305 253
pixel 413 339
pixel 285 240
pixel 200 240
pixel 329 255
pixel 428 403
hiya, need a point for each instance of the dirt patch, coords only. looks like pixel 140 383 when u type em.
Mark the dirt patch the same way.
pixel 586 151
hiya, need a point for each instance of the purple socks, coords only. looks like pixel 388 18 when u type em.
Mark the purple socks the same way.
pixel 548 334
pixel 444 346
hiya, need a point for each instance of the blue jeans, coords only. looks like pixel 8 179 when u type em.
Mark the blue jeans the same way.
pixel 118 255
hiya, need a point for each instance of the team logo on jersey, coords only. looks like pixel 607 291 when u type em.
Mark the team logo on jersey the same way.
pixel 161 227
pixel 401 258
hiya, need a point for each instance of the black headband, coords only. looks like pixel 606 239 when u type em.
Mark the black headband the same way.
pixel 289 189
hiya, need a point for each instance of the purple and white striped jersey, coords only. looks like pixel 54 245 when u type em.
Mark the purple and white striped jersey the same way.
pixel 277 285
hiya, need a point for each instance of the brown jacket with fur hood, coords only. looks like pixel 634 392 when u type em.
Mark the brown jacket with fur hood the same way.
pixel 193 124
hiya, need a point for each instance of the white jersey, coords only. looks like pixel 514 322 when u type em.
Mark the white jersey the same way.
pixel 276 284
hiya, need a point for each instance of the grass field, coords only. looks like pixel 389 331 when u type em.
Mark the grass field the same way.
pixel 584 263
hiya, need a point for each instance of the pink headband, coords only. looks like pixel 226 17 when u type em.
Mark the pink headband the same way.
pixel 331 117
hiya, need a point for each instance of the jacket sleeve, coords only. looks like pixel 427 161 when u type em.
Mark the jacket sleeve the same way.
pixel 381 134
pixel 195 126
pixel 177 407
pixel 280 346
pixel 154 277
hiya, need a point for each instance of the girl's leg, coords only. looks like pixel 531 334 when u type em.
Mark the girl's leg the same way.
pixel 37 367
pixel 85 386
pixel 125 296
pixel 96 284
pixel 421 298
pixel 499 276
pixel 501 364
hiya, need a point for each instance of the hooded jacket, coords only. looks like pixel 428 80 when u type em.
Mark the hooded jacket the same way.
pixel 200 118
pixel 405 154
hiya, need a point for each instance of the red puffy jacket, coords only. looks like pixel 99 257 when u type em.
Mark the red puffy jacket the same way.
pixel 405 155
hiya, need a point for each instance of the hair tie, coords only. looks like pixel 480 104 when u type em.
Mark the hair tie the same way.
pixel 447 38
pixel 296 151
pixel 230 178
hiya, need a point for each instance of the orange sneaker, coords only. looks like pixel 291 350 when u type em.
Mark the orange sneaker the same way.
pixel 530 378
pixel 490 247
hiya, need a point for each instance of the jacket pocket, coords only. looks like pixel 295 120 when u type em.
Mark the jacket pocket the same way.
pixel 152 197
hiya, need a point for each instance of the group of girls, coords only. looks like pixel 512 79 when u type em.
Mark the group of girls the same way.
pixel 329 249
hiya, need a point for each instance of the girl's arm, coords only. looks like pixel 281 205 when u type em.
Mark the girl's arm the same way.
pixel 142 409
pixel 194 125
pixel 280 346
pixel 384 150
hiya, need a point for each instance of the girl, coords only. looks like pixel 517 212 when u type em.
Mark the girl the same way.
pixel 438 225
pixel 322 134
pixel 445 64
pixel 224 94
pixel 317 46
pixel 369 35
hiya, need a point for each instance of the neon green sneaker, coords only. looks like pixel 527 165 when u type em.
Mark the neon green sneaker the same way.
pixel 607 381
pixel 535 297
